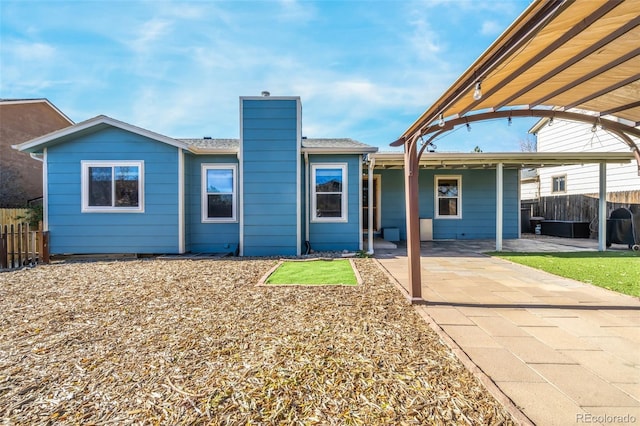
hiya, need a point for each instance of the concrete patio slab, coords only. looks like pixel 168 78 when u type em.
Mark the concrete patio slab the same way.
pixel 557 338
pixel 543 403
pixel 553 350
pixel 583 386
pixel 470 336
pixel 607 367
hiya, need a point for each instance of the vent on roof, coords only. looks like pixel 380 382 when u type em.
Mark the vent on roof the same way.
pixel 207 137
pixel 265 93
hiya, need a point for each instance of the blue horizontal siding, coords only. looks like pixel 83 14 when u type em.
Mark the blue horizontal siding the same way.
pixel 478 204
pixel 270 139
pixel 154 231
pixel 207 237
pixel 270 124
pixel 255 110
pixel 337 236
pixel 270 182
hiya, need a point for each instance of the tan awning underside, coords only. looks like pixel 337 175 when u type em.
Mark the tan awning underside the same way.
pixel 560 55
pixel 509 160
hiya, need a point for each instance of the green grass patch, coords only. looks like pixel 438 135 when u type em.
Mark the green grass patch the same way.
pixel 314 272
pixel 615 270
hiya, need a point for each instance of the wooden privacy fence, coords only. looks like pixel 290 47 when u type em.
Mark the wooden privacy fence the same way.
pixel 13 216
pixel 581 208
pixel 20 246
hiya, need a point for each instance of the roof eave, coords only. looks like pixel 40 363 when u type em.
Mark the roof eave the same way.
pixel 210 151
pixel 522 159
pixel 37 100
pixel 327 150
pixel 35 145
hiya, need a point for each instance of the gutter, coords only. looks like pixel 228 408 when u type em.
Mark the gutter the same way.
pixel 306 203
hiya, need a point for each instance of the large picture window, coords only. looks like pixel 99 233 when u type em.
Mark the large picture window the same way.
pixel 219 192
pixel 112 186
pixel 448 197
pixel 328 192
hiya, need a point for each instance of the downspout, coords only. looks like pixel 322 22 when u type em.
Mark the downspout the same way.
pixel 41 158
pixel 37 157
pixel 307 244
pixel 240 249
pixel 45 191
pixel 499 204
pixel 181 218
pixel 602 207
pixel 372 162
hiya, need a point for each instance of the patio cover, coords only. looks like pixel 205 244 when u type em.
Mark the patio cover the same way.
pixel 570 59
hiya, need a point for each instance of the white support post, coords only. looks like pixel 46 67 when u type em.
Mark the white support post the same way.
pixel 370 206
pixel 602 208
pixel 499 205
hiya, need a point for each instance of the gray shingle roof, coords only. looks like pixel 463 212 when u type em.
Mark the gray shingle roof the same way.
pixel 338 144
pixel 213 144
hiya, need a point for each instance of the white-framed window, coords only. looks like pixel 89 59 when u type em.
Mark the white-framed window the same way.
pixel 112 186
pixel 329 192
pixel 448 202
pixel 219 189
pixel 559 183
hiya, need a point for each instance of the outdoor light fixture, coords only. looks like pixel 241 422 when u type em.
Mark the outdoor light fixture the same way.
pixel 441 120
pixel 594 128
pixel 477 93
pixel 551 121
pixel 509 121
pixel 468 127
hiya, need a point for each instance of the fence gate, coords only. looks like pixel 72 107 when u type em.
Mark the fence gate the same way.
pixel 20 246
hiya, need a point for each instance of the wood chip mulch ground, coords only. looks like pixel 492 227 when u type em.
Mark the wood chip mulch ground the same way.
pixel 197 342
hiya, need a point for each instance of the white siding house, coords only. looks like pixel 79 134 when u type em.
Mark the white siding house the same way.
pixel 568 136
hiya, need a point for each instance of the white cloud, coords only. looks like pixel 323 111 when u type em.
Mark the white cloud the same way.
pixel 29 51
pixel 296 11
pixel 491 28
pixel 148 33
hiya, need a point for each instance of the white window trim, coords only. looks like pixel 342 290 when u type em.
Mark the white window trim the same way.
pixel 553 181
pixel 86 208
pixel 234 196
pixel 437 214
pixel 345 190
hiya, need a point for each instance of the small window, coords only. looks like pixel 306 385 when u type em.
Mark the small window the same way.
pixel 559 183
pixel 112 186
pixel 328 186
pixel 219 192
pixel 448 197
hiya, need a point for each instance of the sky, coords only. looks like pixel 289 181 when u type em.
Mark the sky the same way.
pixel 364 69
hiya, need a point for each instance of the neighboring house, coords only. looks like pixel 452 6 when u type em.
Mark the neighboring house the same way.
pixel 622 180
pixel 529 184
pixel 22 120
pixel 112 187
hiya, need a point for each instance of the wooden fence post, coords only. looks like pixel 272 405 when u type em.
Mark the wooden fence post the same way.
pixel 20 231
pixel 44 247
pixel 34 251
pixel 4 264
pixel 12 246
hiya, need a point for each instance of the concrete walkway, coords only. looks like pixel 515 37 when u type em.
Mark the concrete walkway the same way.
pixel 553 350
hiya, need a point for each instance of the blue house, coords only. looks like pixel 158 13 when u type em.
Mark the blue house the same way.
pixel 457 195
pixel 111 187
